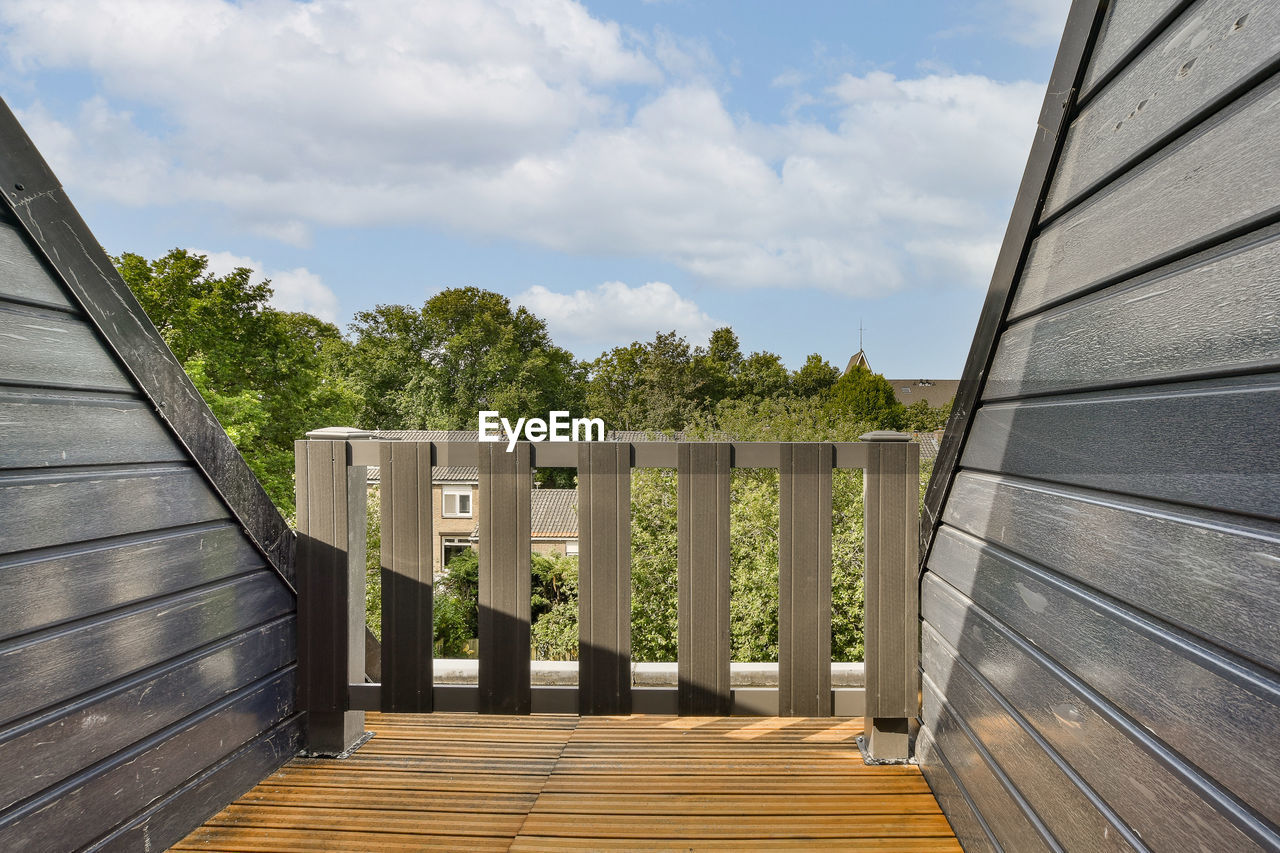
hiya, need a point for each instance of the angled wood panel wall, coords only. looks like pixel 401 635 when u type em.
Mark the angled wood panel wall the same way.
pixel 1099 642
pixel 147 644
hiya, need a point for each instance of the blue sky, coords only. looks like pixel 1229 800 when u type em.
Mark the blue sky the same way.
pixel 791 170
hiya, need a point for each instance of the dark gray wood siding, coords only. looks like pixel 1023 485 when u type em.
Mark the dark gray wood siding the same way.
pixel 147 645
pixel 1100 640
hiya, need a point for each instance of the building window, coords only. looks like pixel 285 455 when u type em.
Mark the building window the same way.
pixel 571 547
pixel 457 501
pixel 453 546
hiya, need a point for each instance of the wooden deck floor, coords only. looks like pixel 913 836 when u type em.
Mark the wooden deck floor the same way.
pixel 464 782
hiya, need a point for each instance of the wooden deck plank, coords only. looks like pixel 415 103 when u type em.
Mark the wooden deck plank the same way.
pixel 470 782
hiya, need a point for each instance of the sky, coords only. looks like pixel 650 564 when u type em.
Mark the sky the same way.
pixel 793 170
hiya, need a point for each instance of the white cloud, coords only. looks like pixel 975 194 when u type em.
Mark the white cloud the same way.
pixel 612 312
pixel 504 119
pixel 297 289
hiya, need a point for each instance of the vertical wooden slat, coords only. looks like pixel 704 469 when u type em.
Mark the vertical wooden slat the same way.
pixel 406 577
pixel 604 578
pixel 804 580
pixel 505 486
pixel 703 575
pixel 891 621
pixel 331 533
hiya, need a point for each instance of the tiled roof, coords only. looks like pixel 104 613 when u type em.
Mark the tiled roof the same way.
pixel 553 514
pixel 462 474
pixel 429 434
pixel 929 443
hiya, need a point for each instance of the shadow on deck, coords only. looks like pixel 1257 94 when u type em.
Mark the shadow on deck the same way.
pixel 466 782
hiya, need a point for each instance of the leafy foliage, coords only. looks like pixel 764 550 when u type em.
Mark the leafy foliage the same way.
pixel 465 351
pixel 455 605
pixel 269 376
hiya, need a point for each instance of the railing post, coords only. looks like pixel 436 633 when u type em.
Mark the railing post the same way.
pixel 407 561
pixel 604 578
pixel 506 484
pixel 702 560
pixel 804 580
pixel 332 519
pixel 891 623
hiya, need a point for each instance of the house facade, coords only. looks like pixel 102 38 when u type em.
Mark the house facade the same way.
pixel 455 496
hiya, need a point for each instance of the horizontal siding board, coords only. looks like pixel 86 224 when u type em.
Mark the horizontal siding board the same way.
pixel 55 350
pixel 1196 443
pixel 23 275
pixel 1167 685
pixel 1216 314
pixel 1162 798
pixel 48 430
pixel 1207 573
pixel 169 820
pixel 1223 176
pixel 1200 58
pixel 1069 809
pixel 81 658
pixel 76 582
pixel 42 754
pixel 78 812
pixel 1010 822
pixel 45 510
pixel 1126 25
pixel 971 831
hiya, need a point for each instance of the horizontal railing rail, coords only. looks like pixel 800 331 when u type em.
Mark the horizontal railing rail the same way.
pixel 331 484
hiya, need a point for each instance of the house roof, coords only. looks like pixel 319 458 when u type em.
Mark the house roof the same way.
pixel 936 392
pixel 929 443
pixel 553 514
pixel 858 358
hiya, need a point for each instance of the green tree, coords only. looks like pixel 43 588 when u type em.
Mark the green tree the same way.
pixel 815 377
pixel 762 376
pixel 865 397
pixel 921 417
pixel 465 351
pixel 455 605
pixel 269 376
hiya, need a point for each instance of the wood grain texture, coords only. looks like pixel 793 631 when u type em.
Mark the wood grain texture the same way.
pixel 62 239
pixel 44 510
pixel 1011 821
pixel 40 430
pixel 54 350
pixel 85 656
pixel 170 818
pixel 891 496
pixel 504 506
pixel 1069 810
pixel 1210 574
pixel 702 522
pixel 1198 443
pixel 78 581
pixel 1157 793
pixel 1167 684
pixel 42 752
pixel 407 561
pixel 1128 22
pixel 76 813
pixel 783 797
pixel 971 831
pixel 1213 313
pixel 1221 177
pixel 604 579
pixel 22 275
pixel 804 581
pixel 1203 56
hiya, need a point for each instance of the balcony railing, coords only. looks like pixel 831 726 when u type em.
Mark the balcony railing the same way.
pixel 331 489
